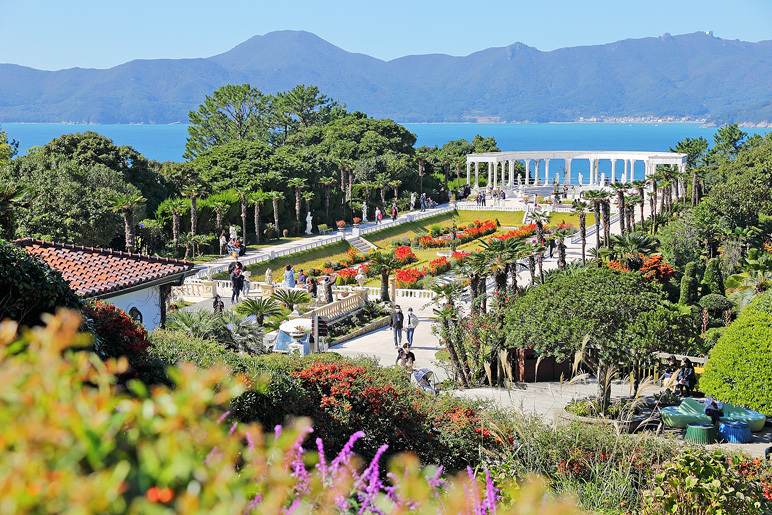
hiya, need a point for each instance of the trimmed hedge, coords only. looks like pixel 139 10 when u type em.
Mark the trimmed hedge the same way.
pixel 740 366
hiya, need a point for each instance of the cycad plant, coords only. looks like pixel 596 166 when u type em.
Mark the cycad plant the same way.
pixel 290 298
pixel 259 308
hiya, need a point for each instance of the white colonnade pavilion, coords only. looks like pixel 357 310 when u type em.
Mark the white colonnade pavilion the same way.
pixel 621 161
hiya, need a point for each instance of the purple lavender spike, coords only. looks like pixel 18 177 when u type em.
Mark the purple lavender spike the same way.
pixel 490 493
pixel 345 454
pixel 322 465
pixel 257 500
pixel 223 417
pixel 250 442
pixel 233 428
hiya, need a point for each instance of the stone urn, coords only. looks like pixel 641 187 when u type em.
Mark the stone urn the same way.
pixel 360 278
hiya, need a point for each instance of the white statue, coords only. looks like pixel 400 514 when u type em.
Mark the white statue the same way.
pixel 309 218
pixel 519 180
pixel 269 276
pixel 581 179
pixel 364 212
pixel 233 232
pixel 603 179
pixel 412 201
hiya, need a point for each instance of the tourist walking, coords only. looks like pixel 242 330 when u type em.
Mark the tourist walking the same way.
pixel 237 283
pixel 223 243
pixel 328 289
pixel 378 216
pixel 479 199
pixel 395 322
pixel 394 211
pixel 412 323
pixel 247 286
pixel 423 201
pixel 482 201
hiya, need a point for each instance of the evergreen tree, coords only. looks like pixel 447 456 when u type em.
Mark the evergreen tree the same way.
pixel 713 281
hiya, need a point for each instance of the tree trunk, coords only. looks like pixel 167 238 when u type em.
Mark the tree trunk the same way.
pixel 540 261
pixel 532 268
pixel 276 216
pixel 482 293
pixel 621 205
pixel 244 216
pixel 453 356
pixel 193 215
pixel 327 205
pixel 176 230
pixel 257 222
pixel 297 205
pixel 561 254
pixel 596 210
pixel 384 285
pixel 695 196
pixel 128 220
pixel 383 197
pixel 583 234
pixel 607 222
pixel 604 394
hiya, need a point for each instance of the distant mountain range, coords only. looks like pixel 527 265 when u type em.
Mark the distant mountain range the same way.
pixel 692 76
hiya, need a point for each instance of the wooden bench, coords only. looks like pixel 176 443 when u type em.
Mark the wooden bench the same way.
pixel 323 229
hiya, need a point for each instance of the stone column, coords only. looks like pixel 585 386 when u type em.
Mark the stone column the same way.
pixel 613 170
pixel 546 172
pixel 527 170
pixel 503 171
pixel 511 173
pixel 536 171
pixel 468 169
pixel 494 170
pixel 476 175
pixel 490 169
pixel 568 170
pixel 631 175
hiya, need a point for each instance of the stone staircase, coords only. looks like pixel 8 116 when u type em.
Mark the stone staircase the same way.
pixel 361 244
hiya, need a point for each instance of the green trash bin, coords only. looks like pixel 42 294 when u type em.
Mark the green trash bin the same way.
pixel 700 432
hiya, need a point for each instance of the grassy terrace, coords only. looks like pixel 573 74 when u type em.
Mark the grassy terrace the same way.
pixel 315 258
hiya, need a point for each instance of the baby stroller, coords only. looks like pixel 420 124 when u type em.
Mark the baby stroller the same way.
pixel 424 379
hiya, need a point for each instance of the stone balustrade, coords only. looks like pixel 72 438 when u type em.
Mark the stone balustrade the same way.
pixel 353 301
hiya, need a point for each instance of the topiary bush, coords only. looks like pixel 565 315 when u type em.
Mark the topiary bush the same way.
pixel 29 287
pixel 689 285
pixel 740 366
pixel 713 281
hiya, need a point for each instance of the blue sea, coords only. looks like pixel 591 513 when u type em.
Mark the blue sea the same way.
pixel 167 142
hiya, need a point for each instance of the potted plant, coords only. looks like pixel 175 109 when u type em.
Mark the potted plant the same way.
pixel 298 334
pixel 341 224
pixel 356 221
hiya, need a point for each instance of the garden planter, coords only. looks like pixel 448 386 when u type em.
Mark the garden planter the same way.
pixel 623 426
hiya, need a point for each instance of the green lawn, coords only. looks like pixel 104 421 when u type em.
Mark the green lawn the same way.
pixel 312 258
pixel 203 258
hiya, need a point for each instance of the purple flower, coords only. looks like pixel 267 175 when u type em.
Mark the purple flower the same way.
pixel 257 500
pixel 250 442
pixel 233 428
pixel 223 417
pixel 345 454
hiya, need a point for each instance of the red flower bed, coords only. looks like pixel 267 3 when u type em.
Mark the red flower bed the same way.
pixel 521 232
pixel 657 269
pixel 346 276
pixel 118 333
pixel 459 255
pixel 410 277
pixel 439 266
pixel 476 230
pixel 405 255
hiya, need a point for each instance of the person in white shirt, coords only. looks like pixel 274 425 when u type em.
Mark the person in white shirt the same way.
pixel 411 323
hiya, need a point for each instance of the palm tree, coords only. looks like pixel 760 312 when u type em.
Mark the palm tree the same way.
pixel 498 259
pixel 275 197
pixel 560 235
pixel 219 206
pixel 175 206
pixel 634 200
pixel 308 196
pixel 125 204
pixel 620 188
pixel 580 209
pixel 539 219
pixel 193 192
pixel 297 183
pixel 633 247
pixel 605 204
pixel 382 180
pixel 639 186
pixel 421 168
pixel 395 186
pixel 539 254
pixel 327 182
pixel 256 199
pixel 447 314
pixel 518 250
pixel 653 181
pixel 594 198
pixel 12 198
pixel 383 264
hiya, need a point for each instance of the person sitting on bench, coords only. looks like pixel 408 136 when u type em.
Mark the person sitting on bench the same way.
pixel 686 380
pixel 713 409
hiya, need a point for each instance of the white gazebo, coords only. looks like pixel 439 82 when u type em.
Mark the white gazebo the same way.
pixel 541 175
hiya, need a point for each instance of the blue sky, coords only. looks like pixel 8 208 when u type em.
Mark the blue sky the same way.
pixel 99 34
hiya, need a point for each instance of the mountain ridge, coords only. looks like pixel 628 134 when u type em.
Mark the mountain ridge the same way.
pixel 690 76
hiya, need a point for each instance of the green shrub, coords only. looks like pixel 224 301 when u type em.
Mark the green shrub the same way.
pixel 713 281
pixel 740 366
pixel 712 336
pixel 689 285
pixel 704 482
pixel 29 287
pixel 716 303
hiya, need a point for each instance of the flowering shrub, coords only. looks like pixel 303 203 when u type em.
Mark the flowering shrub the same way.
pixel 438 266
pixel 476 230
pixel 117 334
pixel 341 224
pixel 618 266
pixel 405 255
pixel 459 256
pixel 409 278
pixel 87 448
pixel 354 256
pixel 346 276
pixel 657 269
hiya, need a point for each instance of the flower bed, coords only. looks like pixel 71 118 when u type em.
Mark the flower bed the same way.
pixel 521 232
pixel 476 230
pixel 405 255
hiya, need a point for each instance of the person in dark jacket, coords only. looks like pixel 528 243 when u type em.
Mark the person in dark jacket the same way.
pixel 237 283
pixel 396 322
pixel 687 379
pixel 218 305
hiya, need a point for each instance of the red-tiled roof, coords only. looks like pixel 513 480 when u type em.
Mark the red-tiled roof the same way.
pixel 94 272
